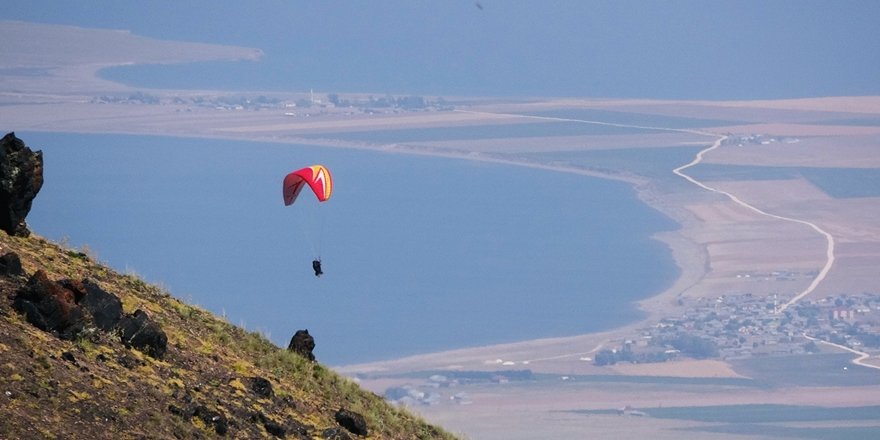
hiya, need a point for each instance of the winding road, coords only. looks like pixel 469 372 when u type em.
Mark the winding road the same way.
pixel 719 141
pixel 860 360
pixel 829 251
pixel 829 239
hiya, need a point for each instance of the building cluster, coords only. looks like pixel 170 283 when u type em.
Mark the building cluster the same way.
pixel 741 326
pixel 441 388
pixel 305 105
pixel 758 139
pixel 726 327
pixel 218 102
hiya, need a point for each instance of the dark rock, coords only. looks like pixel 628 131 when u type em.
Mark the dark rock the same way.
pixel 261 387
pixel 187 410
pixel 176 410
pixel 139 331
pixel 10 265
pixel 68 356
pixel 130 362
pixel 105 307
pixel 352 421
pixel 335 434
pixel 271 426
pixel 75 287
pixel 302 344
pixel 50 307
pixel 208 416
pixel 287 400
pixel 212 418
pixel 274 428
pixel 297 429
pixel 21 177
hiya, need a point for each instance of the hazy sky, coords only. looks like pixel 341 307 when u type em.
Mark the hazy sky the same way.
pixel 664 49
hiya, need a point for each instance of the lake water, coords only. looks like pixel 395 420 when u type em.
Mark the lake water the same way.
pixel 526 48
pixel 420 254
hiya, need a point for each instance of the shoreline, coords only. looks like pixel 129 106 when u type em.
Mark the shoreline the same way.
pixel 688 257
pixel 533 351
pixel 680 248
pixel 691 260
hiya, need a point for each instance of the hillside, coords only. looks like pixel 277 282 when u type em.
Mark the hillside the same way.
pixel 214 379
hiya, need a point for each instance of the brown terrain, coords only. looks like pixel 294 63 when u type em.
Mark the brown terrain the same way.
pixel 734 230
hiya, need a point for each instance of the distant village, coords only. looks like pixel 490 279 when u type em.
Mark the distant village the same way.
pixel 740 326
pixel 725 327
pixel 300 105
pixel 758 139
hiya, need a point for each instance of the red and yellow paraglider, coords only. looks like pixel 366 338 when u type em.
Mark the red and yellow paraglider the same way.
pixel 318 179
pixel 316 176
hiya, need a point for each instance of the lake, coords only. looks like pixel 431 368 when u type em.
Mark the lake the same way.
pixel 420 254
pixel 566 48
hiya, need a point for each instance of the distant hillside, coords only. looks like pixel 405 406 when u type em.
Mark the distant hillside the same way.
pixel 213 380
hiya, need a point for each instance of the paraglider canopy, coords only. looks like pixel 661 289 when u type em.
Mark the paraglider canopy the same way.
pixel 316 176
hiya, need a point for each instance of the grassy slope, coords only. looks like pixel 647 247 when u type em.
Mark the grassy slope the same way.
pixel 109 391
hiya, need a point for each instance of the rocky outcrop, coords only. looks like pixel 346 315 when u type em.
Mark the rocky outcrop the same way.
pixel 271 426
pixel 335 433
pixel 212 418
pixel 352 421
pixel 21 177
pixel 50 306
pixel 262 387
pixel 209 417
pixel 302 343
pixel 139 331
pixel 105 307
pixel 10 265
pixel 65 308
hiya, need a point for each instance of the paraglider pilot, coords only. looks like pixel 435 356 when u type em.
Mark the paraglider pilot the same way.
pixel 316 265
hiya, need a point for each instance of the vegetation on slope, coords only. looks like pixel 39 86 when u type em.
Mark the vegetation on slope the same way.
pixel 214 380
